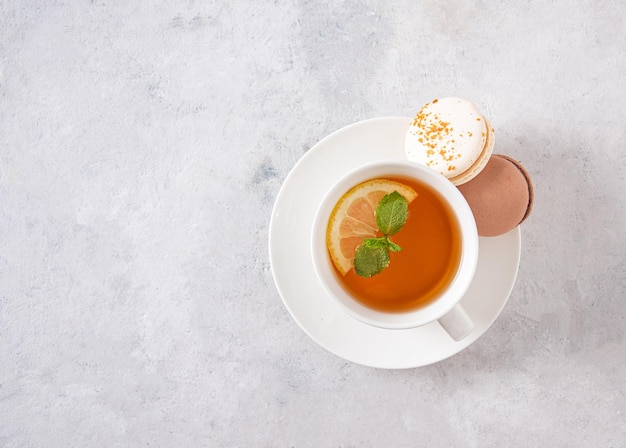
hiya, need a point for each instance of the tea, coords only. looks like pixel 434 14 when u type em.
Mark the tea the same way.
pixel 427 263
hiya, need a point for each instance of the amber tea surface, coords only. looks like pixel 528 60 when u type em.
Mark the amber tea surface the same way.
pixel 427 263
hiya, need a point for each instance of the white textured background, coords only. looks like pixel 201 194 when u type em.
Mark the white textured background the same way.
pixel 142 145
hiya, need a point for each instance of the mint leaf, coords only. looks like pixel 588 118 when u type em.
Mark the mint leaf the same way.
pixel 374 243
pixel 369 261
pixel 383 242
pixel 391 213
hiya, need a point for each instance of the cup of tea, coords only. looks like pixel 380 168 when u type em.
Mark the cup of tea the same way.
pixel 430 261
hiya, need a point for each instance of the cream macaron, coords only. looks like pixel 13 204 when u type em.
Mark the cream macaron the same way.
pixel 451 136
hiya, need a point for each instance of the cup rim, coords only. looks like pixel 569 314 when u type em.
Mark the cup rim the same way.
pixel 469 246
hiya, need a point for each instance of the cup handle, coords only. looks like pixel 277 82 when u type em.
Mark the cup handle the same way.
pixel 457 323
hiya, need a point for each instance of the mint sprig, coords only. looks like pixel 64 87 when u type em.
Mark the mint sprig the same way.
pixel 372 256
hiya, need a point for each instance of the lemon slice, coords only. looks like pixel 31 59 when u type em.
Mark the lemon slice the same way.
pixel 354 218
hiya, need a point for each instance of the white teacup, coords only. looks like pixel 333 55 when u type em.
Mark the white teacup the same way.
pixel 446 307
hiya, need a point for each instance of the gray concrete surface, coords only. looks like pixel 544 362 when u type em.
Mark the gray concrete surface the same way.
pixel 142 145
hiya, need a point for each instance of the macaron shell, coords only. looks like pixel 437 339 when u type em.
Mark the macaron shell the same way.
pixel 500 196
pixel 447 135
pixel 481 162
pixel 531 189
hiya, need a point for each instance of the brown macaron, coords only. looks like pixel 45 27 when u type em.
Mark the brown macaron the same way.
pixel 501 196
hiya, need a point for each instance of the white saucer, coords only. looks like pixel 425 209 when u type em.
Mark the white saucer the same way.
pixel 304 297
